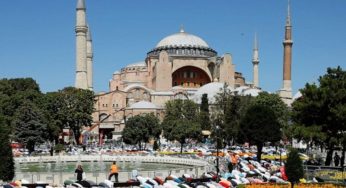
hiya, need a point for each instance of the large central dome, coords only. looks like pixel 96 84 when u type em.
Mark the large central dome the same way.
pixel 183 44
pixel 182 39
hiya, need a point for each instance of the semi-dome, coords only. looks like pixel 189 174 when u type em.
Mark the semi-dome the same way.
pixel 253 92
pixel 182 39
pixel 211 89
pixel 297 95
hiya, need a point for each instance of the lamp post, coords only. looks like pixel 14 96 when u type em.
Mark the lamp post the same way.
pixel 217 153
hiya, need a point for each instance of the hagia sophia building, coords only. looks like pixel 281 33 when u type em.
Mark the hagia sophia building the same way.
pixel 180 66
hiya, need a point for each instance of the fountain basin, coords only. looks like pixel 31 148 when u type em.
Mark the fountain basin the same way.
pixel 61 167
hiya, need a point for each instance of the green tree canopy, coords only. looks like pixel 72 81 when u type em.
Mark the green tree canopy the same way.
pixel 280 109
pixel 69 108
pixel 274 102
pixel 180 122
pixel 259 125
pixel 53 104
pixel 7 170
pixel 294 167
pixel 140 129
pixel 204 116
pixel 29 124
pixel 228 111
pixel 14 92
pixel 319 116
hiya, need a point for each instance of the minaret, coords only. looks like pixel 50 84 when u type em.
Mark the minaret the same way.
pixel 81 46
pixel 255 62
pixel 286 91
pixel 89 60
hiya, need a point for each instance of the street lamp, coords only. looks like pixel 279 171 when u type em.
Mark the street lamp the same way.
pixel 217 128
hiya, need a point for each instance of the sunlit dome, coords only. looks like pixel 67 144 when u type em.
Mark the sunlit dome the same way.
pixel 297 95
pixel 253 92
pixel 182 39
pixel 241 89
pixel 211 90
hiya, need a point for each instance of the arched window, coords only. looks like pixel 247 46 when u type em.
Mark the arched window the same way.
pixel 145 96
pixel 137 94
pixel 191 74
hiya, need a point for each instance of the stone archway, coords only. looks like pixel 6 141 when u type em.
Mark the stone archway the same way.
pixel 190 77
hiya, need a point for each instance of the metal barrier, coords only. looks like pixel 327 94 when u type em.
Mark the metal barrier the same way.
pixel 327 173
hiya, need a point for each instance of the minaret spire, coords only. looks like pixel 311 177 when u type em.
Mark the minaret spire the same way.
pixel 90 57
pixel 81 46
pixel 255 49
pixel 80 4
pixel 286 91
pixel 255 62
pixel 288 18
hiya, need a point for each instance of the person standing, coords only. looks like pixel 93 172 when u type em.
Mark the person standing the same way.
pixel 114 171
pixel 342 161
pixel 336 159
pixel 79 171
pixel 234 160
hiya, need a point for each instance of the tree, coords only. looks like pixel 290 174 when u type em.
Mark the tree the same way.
pixel 15 92
pixel 204 113
pixel 156 146
pixel 294 167
pixel 140 129
pixel 68 108
pixel 54 110
pixel 274 102
pixel 180 122
pixel 259 125
pixel 280 109
pixel 29 125
pixel 322 109
pixel 229 109
pixel 6 156
pixel 78 107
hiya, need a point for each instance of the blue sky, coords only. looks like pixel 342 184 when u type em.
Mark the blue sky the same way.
pixel 37 37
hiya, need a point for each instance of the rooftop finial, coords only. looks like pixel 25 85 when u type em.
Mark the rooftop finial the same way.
pixel 182 28
pixel 80 4
pixel 288 19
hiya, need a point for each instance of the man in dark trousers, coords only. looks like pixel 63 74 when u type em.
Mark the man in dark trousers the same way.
pixel 114 171
pixel 336 159
pixel 342 161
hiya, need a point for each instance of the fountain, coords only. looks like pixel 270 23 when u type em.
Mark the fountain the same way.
pixel 40 163
pixel 101 163
pixel 92 168
pixel 24 165
pixel 49 167
pixel 59 168
pixel 123 163
pixel 58 164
